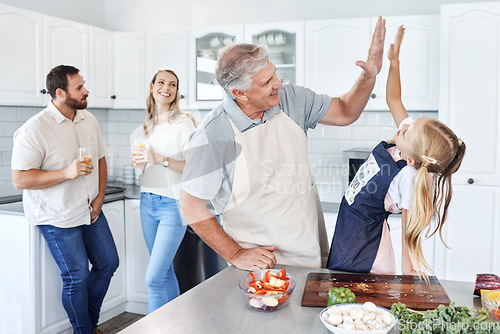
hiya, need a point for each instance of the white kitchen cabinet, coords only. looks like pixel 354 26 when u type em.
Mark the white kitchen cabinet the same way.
pixel 330 222
pixel 285 42
pixel 116 295
pixel 100 81
pixel 137 259
pixel 129 84
pixel 66 43
pixel 331 49
pixel 203 45
pixel 168 49
pixel 419 63
pixel 21 60
pixel 469 90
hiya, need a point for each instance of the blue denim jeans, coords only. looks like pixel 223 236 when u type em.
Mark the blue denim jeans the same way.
pixel 163 231
pixel 83 290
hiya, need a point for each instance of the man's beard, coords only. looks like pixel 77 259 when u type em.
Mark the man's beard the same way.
pixel 76 104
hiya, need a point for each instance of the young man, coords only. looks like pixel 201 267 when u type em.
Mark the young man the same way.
pixel 63 194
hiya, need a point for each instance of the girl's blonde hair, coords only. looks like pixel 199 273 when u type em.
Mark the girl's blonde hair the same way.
pixel 175 111
pixel 436 150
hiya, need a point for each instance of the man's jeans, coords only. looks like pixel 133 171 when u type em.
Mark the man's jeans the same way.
pixel 83 290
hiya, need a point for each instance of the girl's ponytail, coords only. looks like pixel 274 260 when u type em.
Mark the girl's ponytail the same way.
pixel 419 217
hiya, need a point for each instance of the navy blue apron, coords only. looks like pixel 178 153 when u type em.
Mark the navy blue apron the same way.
pixel 362 212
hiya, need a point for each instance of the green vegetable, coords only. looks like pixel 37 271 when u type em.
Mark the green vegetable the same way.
pixel 443 319
pixel 340 296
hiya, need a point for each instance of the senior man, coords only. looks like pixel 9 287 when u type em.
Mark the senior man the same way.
pixel 249 159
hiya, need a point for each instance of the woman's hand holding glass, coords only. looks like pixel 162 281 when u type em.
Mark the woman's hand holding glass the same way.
pixel 139 154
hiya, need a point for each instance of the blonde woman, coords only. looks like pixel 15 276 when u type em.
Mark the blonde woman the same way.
pixel 397 177
pixel 158 150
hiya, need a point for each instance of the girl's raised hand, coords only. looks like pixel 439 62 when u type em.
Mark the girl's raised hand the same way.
pixel 394 49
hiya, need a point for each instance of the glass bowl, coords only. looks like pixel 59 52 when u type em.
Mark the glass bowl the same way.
pixel 490 300
pixel 266 303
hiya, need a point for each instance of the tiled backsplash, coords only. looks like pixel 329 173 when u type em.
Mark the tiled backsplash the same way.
pixel 326 143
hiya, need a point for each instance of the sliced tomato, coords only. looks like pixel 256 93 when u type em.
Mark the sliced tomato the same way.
pixel 496 313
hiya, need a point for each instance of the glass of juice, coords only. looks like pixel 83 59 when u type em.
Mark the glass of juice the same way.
pixel 86 153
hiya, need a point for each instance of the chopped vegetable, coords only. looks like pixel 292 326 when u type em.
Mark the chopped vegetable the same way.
pixel 271 284
pixel 340 296
pixel 486 282
pixel 443 319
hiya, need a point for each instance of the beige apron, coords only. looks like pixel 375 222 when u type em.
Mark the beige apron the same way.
pixel 274 200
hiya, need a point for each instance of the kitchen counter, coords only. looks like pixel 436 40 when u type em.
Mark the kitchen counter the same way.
pixel 217 306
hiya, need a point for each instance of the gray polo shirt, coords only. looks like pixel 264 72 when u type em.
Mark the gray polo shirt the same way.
pixel 210 159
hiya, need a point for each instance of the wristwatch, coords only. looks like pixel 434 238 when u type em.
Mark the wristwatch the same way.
pixel 165 162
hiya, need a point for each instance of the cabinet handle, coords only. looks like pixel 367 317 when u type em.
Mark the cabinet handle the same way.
pixel 182 96
pixel 373 95
pixel 43 91
pixel 470 181
pixel 113 97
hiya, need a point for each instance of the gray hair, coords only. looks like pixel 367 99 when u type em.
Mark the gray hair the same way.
pixel 237 64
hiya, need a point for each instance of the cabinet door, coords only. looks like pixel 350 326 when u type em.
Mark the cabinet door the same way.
pixel 168 50
pixel 137 258
pixel 203 45
pixel 100 82
pixel 130 90
pixel 469 87
pixel 116 295
pixel 419 63
pixel 332 47
pixel 21 64
pixel 285 42
pixel 66 42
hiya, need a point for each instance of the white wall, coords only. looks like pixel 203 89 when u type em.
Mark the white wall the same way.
pixel 85 11
pixel 150 15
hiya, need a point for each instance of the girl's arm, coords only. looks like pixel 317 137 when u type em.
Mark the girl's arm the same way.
pixel 393 90
pixel 406 264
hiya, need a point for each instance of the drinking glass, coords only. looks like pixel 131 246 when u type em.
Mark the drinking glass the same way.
pixel 86 152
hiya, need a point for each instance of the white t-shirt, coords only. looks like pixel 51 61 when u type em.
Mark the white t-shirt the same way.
pixel 170 140
pixel 401 187
pixel 50 141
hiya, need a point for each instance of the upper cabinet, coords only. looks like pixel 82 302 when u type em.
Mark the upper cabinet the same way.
pixel 469 91
pixel 419 63
pixel 66 43
pixel 285 43
pixel 100 82
pixel 23 77
pixel 333 47
pixel 129 83
pixel 204 44
pixel 168 50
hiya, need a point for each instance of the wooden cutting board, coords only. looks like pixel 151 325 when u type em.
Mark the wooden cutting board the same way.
pixel 383 290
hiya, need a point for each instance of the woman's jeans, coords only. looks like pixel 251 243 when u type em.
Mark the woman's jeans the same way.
pixel 83 290
pixel 163 231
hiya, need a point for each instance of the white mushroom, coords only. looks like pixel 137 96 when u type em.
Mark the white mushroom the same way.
pixel 360 325
pixel 369 316
pixel 356 313
pixel 347 325
pixel 335 319
pixel 369 306
pixel 347 318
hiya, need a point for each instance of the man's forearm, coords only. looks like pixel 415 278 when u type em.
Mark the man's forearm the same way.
pixel 37 179
pixel 354 101
pixel 210 231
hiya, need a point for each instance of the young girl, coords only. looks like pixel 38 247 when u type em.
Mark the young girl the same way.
pixel 159 153
pixel 397 177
